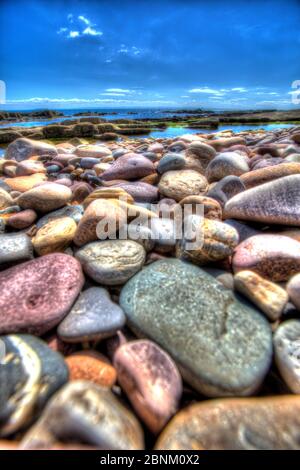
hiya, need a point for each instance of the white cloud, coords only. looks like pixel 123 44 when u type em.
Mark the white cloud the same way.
pixel 85 20
pixel 118 90
pixel 92 32
pixel 113 94
pixel 62 30
pixel 73 34
pixel 240 89
pixel 210 91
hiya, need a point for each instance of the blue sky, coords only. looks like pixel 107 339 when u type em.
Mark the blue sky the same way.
pixel 149 53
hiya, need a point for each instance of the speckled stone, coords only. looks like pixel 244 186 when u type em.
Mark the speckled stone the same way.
pixel 212 241
pixel 171 161
pixel 111 262
pixel 91 366
pixel 93 316
pixel 270 173
pixel 75 212
pixel 45 198
pixel 128 167
pixel 268 423
pixel 211 207
pixel 274 257
pixel 30 373
pixel 287 353
pixel 37 294
pixel 226 188
pixel 22 220
pixel 293 289
pixel 141 192
pixel 158 388
pixel 228 353
pixel 276 202
pixel 225 164
pixel 267 296
pixel 54 236
pixel 14 248
pixel 181 183
pixel 86 413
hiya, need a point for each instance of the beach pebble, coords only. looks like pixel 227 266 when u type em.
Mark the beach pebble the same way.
pixel 93 151
pixel 111 262
pixel 293 289
pixel 84 412
pixel 267 296
pixel 22 149
pixel 202 152
pixel 208 241
pixel 287 353
pixel 203 205
pixel 265 423
pixel 5 199
pixel 30 373
pixel 128 167
pixel 141 192
pixel 181 183
pixel 91 366
pixel 45 198
pixel 171 161
pixel 101 219
pixel 29 167
pixel 157 382
pixel 225 164
pixel 275 257
pixel 22 219
pixel 15 248
pixel 75 212
pixel 276 202
pixel 93 316
pixel 244 230
pixel 25 183
pixel 270 173
pixel 37 294
pixel 226 188
pixel 228 353
pixel 54 236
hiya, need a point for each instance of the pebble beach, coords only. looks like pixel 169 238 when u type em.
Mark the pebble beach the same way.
pixel 114 332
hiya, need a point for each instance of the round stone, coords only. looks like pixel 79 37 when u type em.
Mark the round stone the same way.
pixel 85 413
pixel 171 161
pixel 225 164
pixel 206 240
pixel 226 188
pixel 93 151
pixel 287 353
pixel 111 262
pixel 30 373
pixel 211 208
pixel 36 295
pixel 141 192
pixel 93 316
pixel 181 183
pixel 5 199
pixel 54 236
pixel 91 366
pixel 25 183
pixel 15 248
pixel 267 423
pixel 22 220
pixel 128 167
pixel 158 388
pixel 293 289
pixel 202 152
pixel 75 212
pixel 22 149
pixel 45 198
pixel 230 350
pixel 274 257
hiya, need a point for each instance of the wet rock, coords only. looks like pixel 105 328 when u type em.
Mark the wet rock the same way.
pixel 157 383
pixel 228 353
pixel 30 373
pixel 111 262
pixel 274 257
pixel 93 316
pixel 267 296
pixel 37 294
pixel 267 423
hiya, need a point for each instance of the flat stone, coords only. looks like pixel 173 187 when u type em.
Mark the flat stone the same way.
pixel 30 373
pixel 91 366
pixel 267 296
pixel 268 423
pixel 158 388
pixel 92 151
pixel 54 236
pixel 37 294
pixel 25 183
pixel 228 353
pixel 270 173
pixel 276 202
pixel 212 241
pixel 286 350
pixel 93 316
pixel 22 149
pixel 85 413
pixel 15 248
pixel 45 198
pixel 111 262
pixel 274 257
pixel 181 183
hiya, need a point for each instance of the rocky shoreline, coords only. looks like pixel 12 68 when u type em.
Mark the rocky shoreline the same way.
pixel 115 332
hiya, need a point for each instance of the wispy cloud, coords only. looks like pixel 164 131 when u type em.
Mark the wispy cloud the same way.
pixel 73 34
pixel 84 28
pixel 118 90
pixel 210 91
pixel 84 19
